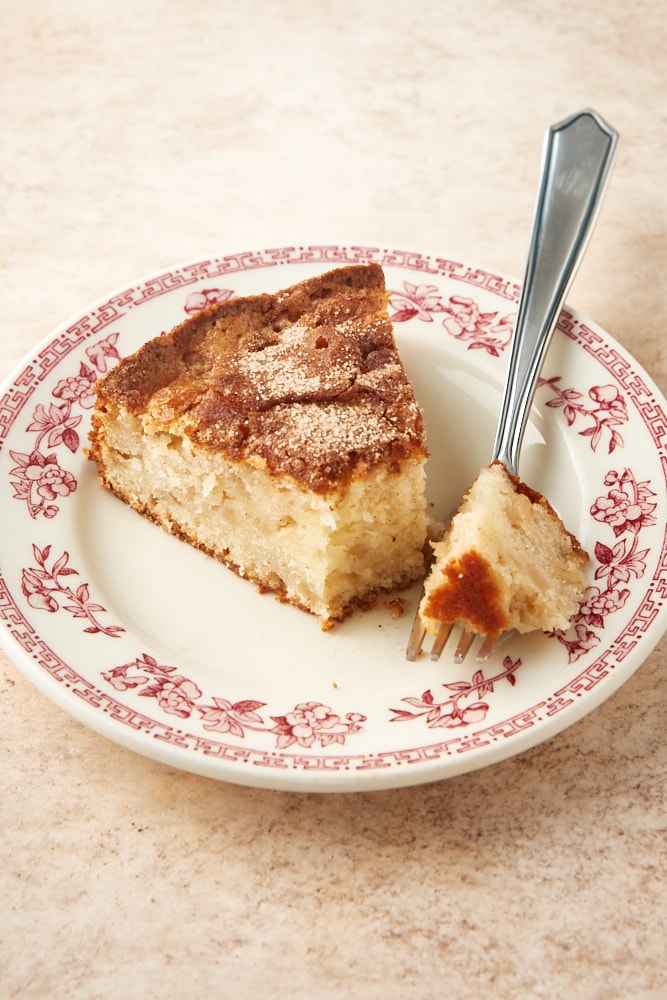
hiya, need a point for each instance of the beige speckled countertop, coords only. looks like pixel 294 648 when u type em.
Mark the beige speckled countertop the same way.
pixel 139 135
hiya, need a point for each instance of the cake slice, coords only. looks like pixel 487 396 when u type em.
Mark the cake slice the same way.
pixel 280 434
pixel 506 561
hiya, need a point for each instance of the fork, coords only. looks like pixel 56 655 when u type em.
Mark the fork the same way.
pixel 576 164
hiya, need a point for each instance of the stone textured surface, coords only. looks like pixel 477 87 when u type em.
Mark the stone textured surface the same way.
pixel 139 135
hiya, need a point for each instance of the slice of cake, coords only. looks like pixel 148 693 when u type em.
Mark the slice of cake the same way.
pixel 280 434
pixel 506 561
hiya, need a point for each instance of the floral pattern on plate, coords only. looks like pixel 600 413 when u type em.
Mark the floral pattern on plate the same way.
pixel 162 660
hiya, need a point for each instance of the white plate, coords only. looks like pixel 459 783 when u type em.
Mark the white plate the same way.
pixel 165 651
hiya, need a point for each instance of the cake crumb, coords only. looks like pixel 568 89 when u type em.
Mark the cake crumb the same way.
pixel 396 607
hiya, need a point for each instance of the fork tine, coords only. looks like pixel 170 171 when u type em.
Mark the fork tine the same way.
pixel 440 640
pixel 487 647
pixel 416 639
pixel 466 639
pixel 464 644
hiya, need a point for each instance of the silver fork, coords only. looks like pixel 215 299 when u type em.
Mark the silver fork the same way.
pixel 576 164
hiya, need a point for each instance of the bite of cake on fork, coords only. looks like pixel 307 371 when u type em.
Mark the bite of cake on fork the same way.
pixel 506 560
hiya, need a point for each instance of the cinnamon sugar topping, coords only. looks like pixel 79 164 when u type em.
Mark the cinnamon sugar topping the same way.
pixel 308 381
pixel 306 364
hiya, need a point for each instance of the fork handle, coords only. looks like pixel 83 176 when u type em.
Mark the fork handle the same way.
pixel 576 164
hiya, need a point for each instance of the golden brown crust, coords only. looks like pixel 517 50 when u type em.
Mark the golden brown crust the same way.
pixel 306 382
pixel 476 603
